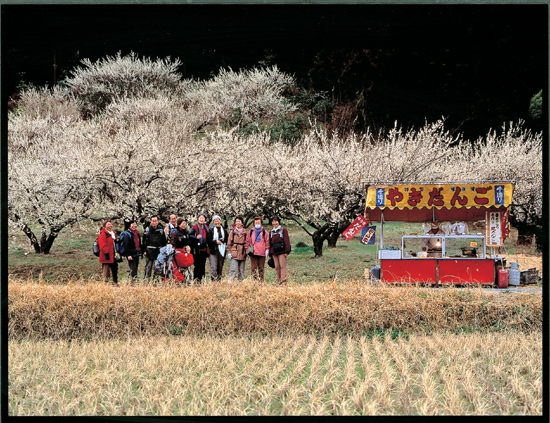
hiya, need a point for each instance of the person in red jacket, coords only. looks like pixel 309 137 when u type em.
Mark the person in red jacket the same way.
pixel 259 238
pixel 106 242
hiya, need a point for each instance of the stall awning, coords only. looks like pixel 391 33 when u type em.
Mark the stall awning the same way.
pixel 417 202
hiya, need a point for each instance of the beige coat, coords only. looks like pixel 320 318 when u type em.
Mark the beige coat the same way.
pixel 235 244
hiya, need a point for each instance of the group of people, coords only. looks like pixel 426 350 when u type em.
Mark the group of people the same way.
pixel 202 241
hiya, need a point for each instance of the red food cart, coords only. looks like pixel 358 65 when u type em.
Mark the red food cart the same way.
pixel 447 253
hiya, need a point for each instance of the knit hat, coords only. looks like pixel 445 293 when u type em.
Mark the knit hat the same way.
pixel 216 217
pixel 201 214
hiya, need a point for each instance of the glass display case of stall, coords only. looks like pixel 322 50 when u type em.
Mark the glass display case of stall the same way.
pixel 443 246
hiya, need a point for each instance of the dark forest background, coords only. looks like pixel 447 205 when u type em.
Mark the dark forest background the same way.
pixel 476 65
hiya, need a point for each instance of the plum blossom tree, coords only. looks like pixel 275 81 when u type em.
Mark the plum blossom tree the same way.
pixel 144 155
pixel 47 182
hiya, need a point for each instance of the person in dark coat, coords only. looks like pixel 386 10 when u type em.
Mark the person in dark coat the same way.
pixel 279 249
pixel 198 233
pixel 154 239
pixel 133 249
pixel 106 242
pixel 217 240
pixel 181 238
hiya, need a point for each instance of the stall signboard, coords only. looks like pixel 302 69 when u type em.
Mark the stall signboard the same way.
pixel 452 195
pixel 494 229
pixel 368 236
pixel 355 227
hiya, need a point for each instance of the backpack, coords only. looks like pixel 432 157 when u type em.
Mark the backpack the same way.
pixel 163 263
pixel 95 248
pixel 122 243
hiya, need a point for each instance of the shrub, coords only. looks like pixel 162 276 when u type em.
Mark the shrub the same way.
pixel 45 103
pixel 97 84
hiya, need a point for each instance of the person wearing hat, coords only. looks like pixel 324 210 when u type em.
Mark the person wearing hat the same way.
pixel 198 234
pixel 216 239
pixel 432 245
pixel 279 249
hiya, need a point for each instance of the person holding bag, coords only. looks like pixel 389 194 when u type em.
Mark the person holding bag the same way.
pixel 236 251
pixel 257 248
pixel 106 242
pixel 279 249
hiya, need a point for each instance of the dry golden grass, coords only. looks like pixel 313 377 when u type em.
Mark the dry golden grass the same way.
pixel 97 310
pixel 438 374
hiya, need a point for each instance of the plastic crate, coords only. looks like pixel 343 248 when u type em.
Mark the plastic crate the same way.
pixel 528 277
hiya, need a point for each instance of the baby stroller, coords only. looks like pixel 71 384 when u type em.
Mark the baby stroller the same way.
pixel 181 263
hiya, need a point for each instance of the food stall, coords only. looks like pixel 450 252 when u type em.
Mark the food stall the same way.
pixel 446 252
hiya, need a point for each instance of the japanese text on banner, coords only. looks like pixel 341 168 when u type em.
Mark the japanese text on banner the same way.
pixel 456 195
pixel 355 227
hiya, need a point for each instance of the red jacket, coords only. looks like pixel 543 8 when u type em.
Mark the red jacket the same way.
pixel 106 247
pixel 261 246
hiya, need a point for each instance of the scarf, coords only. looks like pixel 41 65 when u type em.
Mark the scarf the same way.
pixel 278 230
pixel 136 238
pixel 258 233
pixel 203 231
pixel 112 234
pixel 221 247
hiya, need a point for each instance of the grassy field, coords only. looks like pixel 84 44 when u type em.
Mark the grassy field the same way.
pixel 328 344
pixel 445 374
pixel 97 310
pixel 72 258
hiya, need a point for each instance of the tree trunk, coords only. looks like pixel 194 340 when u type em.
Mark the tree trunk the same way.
pixel 47 245
pixel 317 245
pixel 32 237
pixel 46 241
pixel 319 237
pixel 335 233
pixel 332 239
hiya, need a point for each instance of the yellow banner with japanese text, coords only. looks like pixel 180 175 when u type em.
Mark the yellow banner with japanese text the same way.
pixel 458 195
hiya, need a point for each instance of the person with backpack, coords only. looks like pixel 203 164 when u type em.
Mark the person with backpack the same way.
pixel 171 226
pixel 199 233
pixel 106 242
pixel 279 249
pixel 258 238
pixel 130 246
pixel 154 239
pixel 217 240
pixel 236 251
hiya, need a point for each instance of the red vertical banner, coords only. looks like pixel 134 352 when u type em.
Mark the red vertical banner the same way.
pixel 359 223
pixel 505 225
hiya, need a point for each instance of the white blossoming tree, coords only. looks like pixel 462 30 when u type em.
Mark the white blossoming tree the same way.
pixel 144 155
